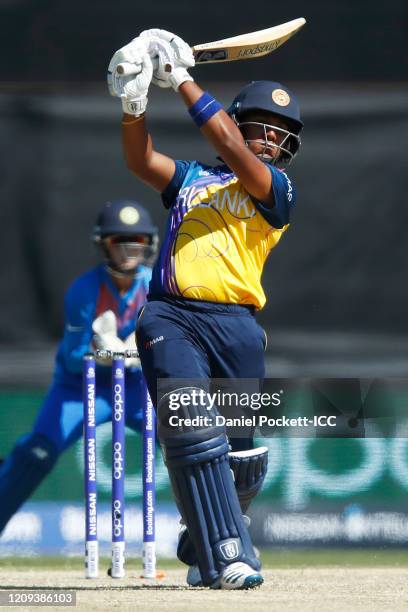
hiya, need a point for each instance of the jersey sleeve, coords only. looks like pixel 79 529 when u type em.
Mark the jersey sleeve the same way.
pixel 284 195
pixel 79 310
pixel 170 193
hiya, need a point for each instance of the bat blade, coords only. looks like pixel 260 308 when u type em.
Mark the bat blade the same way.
pixel 246 46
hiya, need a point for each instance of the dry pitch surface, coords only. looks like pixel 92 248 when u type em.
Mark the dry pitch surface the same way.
pixel 299 588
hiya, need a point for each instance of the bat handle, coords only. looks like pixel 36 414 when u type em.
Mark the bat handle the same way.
pixel 127 68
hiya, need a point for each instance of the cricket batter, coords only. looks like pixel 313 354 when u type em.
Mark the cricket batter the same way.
pixel 206 286
pixel 101 308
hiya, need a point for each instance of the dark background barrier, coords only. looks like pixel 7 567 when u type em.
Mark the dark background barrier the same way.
pixel 350 40
pixel 340 268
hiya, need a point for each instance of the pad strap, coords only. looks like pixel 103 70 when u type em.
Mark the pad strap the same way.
pixel 249 468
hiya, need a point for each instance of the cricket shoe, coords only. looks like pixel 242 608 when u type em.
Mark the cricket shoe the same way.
pixel 235 576
pixel 194 576
pixel 238 576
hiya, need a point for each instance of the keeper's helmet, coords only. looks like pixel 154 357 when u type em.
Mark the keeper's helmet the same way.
pixel 275 98
pixel 126 236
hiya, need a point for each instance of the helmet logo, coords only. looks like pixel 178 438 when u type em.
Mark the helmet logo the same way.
pixel 280 97
pixel 129 215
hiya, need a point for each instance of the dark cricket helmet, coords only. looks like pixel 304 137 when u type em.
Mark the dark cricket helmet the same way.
pixel 126 236
pixel 124 217
pixel 270 97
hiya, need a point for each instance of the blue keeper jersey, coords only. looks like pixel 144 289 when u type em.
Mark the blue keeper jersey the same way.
pixel 89 296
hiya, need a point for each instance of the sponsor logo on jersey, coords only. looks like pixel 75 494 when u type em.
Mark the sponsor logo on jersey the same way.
pixel 289 193
pixel 150 343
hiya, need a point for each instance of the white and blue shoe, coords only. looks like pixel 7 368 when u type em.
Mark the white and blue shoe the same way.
pixel 235 576
pixel 239 576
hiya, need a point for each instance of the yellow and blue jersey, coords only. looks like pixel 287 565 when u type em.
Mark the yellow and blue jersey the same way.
pixel 218 236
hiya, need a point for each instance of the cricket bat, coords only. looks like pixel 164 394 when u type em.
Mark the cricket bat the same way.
pixel 244 46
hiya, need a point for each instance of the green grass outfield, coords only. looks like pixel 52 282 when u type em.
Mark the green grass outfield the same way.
pixel 282 559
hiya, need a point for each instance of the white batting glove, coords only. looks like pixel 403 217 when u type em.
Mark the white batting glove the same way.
pixel 134 97
pixel 132 53
pixel 131 88
pixel 173 55
pixel 167 74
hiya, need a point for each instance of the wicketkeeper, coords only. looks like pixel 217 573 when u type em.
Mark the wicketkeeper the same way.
pixel 206 287
pixel 101 307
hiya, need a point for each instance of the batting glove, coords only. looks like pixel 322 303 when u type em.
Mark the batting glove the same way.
pixel 131 88
pixel 131 53
pixel 173 55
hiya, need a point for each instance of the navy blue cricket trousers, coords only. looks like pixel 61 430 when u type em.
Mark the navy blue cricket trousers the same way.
pixel 186 339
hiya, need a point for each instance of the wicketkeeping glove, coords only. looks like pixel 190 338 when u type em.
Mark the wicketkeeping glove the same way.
pixel 106 338
pixel 130 345
pixel 105 334
pixel 171 58
pixel 105 324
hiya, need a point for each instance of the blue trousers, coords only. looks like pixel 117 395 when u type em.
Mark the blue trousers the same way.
pixel 58 425
pixel 194 340
pixel 60 418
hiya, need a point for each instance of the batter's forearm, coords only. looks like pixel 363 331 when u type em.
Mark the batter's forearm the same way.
pixel 222 132
pixel 148 165
pixel 137 143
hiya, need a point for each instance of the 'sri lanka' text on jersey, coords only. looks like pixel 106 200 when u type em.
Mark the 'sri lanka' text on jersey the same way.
pixel 218 236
